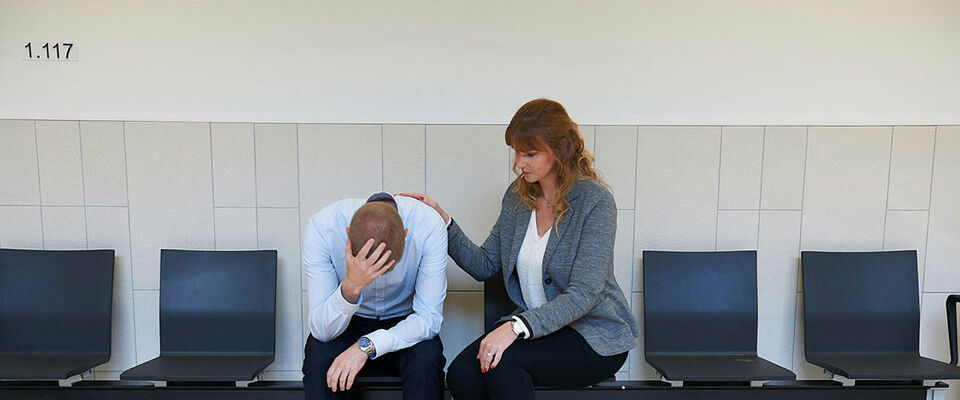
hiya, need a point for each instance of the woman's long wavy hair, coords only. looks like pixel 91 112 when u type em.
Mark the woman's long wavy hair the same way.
pixel 543 124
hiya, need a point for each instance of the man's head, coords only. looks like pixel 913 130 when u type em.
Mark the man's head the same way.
pixel 380 221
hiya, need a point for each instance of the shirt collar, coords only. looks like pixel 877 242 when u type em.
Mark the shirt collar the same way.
pixel 381 196
pixel 386 196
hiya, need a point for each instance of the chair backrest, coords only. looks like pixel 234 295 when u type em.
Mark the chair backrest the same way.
pixel 55 301
pixel 496 302
pixel 700 302
pixel 861 302
pixel 218 302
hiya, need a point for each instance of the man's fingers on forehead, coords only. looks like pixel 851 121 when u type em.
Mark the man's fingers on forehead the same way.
pixel 366 248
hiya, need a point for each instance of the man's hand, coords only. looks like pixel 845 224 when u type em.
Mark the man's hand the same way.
pixel 364 267
pixel 345 368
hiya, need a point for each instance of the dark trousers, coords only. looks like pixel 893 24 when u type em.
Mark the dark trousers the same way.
pixel 420 366
pixel 560 359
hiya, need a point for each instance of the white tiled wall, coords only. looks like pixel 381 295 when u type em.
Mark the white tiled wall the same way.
pixel 140 186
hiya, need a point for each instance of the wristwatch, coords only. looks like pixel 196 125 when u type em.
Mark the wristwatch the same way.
pixel 515 325
pixel 366 346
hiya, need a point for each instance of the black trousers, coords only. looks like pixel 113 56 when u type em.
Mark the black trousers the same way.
pixel 560 359
pixel 420 366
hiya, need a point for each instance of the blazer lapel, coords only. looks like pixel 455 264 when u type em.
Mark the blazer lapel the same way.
pixel 519 230
pixel 557 234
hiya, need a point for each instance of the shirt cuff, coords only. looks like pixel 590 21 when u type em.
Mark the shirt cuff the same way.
pixel 381 342
pixel 523 327
pixel 341 304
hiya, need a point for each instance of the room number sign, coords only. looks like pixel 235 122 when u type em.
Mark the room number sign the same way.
pixel 47 51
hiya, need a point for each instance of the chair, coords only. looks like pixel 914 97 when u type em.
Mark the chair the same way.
pixel 700 317
pixel 55 309
pixel 862 316
pixel 217 317
pixel 496 302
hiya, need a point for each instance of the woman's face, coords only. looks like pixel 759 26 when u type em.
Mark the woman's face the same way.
pixel 535 165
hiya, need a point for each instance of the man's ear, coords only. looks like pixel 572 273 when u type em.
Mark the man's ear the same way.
pixel 348 231
pixel 405 230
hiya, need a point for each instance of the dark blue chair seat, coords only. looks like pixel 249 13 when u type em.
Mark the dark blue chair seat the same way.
pixel 885 366
pixel 717 367
pixel 862 316
pixel 200 368
pixel 48 366
pixel 113 384
pixel 700 317
pixel 55 312
pixel 217 317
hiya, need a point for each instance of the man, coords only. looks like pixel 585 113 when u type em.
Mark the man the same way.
pixel 376 282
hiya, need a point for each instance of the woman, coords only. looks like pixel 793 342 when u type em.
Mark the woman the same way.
pixel 553 245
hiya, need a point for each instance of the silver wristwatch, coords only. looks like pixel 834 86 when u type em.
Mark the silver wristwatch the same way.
pixel 366 346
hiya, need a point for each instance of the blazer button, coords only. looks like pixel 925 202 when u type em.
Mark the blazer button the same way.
pixel 548 281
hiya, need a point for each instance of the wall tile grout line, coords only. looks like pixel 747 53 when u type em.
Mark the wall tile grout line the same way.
pixel 252 207
pixel 763 157
pixel 886 204
pixel 382 179
pixel 716 224
pixel 83 189
pixel 213 195
pixel 759 209
pixel 926 240
pixel 593 151
pixel 803 192
pixel 299 261
pixel 634 264
pixel 425 159
pixel 763 154
pixel 36 147
pixel 633 229
pixel 60 206
pixel 654 125
pixel 256 188
pixel 126 179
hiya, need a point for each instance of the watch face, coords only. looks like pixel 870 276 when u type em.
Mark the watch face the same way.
pixel 364 342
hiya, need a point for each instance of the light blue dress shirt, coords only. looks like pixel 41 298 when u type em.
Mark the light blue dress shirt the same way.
pixel 416 287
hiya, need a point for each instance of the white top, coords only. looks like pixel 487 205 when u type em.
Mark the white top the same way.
pixel 530 264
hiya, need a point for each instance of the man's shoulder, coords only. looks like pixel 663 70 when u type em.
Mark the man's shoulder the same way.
pixel 418 214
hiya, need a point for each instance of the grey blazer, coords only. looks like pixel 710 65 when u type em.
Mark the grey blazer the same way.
pixel 577 268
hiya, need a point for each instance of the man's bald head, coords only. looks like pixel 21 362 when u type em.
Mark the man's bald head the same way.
pixel 381 222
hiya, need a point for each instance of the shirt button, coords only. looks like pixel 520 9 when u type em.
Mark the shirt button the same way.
pixel 548 281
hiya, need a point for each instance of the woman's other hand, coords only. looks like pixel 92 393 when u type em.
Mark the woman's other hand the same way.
pixel 428 201
pixel 494 344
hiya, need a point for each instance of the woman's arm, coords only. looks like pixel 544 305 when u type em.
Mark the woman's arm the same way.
pixel 591 266
pixel 481 262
